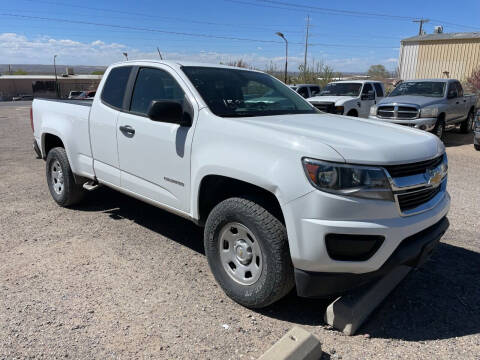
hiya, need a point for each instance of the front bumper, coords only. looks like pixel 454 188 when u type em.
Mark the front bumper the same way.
pixel 413 251
pixel 426 124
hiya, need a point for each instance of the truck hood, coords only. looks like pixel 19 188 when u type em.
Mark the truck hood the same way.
pixel 421 101
pixel 358 141
pixel 338 100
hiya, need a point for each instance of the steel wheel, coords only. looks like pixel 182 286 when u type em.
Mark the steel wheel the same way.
pixel 57 177
pixel 240 253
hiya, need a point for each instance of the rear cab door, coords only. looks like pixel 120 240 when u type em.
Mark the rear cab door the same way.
pixel 103 124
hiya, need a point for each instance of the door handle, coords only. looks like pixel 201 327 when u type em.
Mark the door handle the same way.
pixel 127 130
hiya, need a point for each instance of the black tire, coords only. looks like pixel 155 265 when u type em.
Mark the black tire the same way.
pixel 352 113
pixel 439 129
pixel 467 125
pixel 477 147
pixel 67 192
pixel 276 278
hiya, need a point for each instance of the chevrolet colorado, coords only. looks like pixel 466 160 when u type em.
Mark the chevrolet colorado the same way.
pixel 287 196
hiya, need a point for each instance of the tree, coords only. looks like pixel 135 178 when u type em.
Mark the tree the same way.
pixel 317 73
pixel 98 72
pixel 474 80
pixel 20 72
pixel 238 63
pixel 378 72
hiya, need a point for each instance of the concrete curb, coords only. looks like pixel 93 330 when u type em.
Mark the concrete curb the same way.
pixel 348 312
pixel 297 344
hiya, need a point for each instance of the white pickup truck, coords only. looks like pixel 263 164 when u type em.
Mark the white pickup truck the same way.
pixel 288 196
pixel 352 98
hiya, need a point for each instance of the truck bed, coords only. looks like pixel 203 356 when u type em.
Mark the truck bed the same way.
pixel 86 102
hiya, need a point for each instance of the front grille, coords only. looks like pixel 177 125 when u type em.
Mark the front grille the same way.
pixel 413 168
pixel 414 199
pixel 386 111
pixel 326 107
pixel 406 112
pixel 397 112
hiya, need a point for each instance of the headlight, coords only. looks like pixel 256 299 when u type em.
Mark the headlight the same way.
pixel 351 180
pixel 373 110
pixel 339 110
pixel 429 111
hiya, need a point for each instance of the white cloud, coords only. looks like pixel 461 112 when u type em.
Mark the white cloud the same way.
pixel 19 49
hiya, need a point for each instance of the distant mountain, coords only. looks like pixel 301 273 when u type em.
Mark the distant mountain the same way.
pixel 38 69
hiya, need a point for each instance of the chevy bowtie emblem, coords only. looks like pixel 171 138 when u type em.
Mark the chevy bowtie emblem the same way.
pixel 433 176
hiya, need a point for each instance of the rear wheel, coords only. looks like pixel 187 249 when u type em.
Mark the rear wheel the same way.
pixel 60 179
pixel 439 129
pixel 352 113
pixel 477 147
pixel 467 125
pixel 247 251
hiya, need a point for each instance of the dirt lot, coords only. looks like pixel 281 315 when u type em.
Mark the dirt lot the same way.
pixel 116 278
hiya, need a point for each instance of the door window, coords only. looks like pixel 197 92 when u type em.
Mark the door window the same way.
pixel 113 91
pixel 154 84
pixel 378 89
pixel 303 91
pixel 314 90
pixel 367 88
pixel 452 91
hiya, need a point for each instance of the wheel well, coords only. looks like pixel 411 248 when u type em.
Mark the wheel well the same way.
pixel 51 141
pixel 472 110
pixel 441 116
pixel 352 112
pixel 215 188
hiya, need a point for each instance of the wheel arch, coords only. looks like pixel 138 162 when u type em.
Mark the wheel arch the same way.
pixel 214 188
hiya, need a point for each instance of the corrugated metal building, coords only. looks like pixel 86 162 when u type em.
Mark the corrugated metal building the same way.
pixel 453 55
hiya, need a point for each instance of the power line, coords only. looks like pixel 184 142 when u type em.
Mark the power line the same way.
pixel 340 12
pixel 179 33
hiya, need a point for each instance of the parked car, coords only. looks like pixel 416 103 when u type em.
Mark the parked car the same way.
pixel 24 97
pixel 430 105
pixel 352 98
pixel 74 94
pixel 288 196
pixel 476 132
pixel 306 90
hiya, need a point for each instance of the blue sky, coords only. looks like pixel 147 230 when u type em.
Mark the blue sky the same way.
pixel 346 41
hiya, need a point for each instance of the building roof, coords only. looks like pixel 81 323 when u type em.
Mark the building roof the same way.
pixel 50 77
pixel 443 36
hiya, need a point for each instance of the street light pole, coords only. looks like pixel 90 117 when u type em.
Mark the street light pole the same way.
pixel 56 79
pixel 286 54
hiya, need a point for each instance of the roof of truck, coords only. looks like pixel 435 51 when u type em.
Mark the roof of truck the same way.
pixel 178 63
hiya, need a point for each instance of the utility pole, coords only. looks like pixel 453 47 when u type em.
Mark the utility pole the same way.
pixel 159 53
pixel 421 22
pixel 56 79
pixel 306 51
pixel 286 54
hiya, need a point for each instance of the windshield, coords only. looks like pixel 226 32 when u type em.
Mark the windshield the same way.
pixel 342 89
pixel 419 88
pixel 239 93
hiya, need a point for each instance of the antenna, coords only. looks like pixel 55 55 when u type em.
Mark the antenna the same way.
pixel 159 53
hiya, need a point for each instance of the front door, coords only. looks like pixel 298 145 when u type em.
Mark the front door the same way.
pixel 367 100
pixel 155 156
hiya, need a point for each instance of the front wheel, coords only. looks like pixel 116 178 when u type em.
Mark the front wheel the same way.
pixel 467 124
pixel 247 251
pixel 60 179
pixel 439 129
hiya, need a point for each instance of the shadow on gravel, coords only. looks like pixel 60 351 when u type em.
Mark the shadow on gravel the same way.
pixel 439 301
pixel 120 206
pixel 456 138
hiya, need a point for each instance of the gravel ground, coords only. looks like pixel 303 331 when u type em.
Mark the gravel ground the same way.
pixel 117 278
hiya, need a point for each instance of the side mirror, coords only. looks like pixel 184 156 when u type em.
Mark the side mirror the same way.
pixel 169 111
